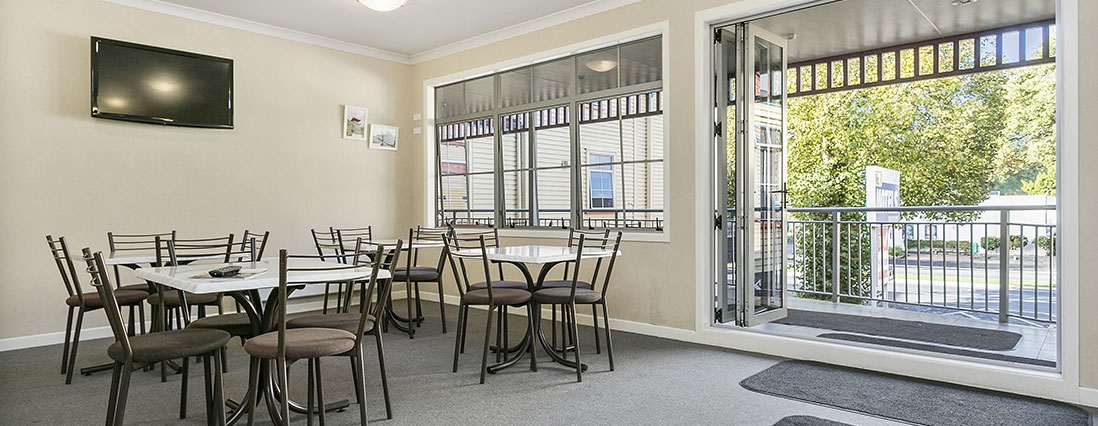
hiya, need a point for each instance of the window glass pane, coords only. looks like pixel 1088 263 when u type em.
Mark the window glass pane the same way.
pixel 516 198
pixel 452 155
pixel 945 57
pixel 516 151
pixel 482 200
pixel 455 194
pixel 987 51
pixel 642 62
pixel 481 155
pixel 553 80
pixel 450 100
pixel 601 137
pixel 597 70
pixel 515 87
pixel 480 95
pixel 553 147
pixel 642 138
pixel 554 197
pixel 1012 47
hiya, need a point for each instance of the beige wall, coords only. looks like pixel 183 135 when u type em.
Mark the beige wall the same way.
pixel 283 168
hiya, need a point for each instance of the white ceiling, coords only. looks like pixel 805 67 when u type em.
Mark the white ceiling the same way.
pixel 424 29
pixel 415 29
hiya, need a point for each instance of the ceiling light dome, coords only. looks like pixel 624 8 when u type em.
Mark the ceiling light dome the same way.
pixel 383 5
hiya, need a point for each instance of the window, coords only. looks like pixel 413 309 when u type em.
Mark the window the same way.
pixel 601 181
pixel 575 141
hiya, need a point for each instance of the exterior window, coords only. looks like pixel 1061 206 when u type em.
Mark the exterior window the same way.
pixel 592 157
pixel 601 178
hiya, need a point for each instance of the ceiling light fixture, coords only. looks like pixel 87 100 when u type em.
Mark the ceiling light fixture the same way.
pixel 383 5
pixel 960 2
pixel 601 65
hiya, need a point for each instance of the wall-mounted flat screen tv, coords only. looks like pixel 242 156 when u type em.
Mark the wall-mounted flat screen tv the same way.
pixel 147 84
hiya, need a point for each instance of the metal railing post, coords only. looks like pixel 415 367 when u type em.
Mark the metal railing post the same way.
pixel 835 257
pixel 1004 266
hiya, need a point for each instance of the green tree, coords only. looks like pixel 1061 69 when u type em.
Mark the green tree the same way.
pixel 1026 162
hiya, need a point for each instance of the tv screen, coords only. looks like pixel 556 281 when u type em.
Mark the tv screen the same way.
pixel 149 84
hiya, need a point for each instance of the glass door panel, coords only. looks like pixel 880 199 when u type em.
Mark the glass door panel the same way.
pixel 726 58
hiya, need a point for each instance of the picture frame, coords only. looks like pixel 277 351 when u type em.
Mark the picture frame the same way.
pixel 384 136
pixel 354 122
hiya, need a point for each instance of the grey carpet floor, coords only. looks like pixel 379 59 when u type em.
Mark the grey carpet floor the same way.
pixel 915 401
pixel 967 337
pixel 656 382
pixel 935 348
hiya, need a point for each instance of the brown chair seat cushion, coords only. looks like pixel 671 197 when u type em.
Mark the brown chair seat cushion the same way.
pixel 560 295
pixel 173 344
pixel 503 296
pixel 521 285
pixel 235 324
pixel 565 284
pixel 171 298
pixel 302 343
pixel 418 273
pixel 124 297
pixel 346 321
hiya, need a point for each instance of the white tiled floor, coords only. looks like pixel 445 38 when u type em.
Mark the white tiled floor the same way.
pixel 1036 342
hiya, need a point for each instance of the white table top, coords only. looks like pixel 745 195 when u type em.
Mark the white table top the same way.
pixel 535 253
pixel 182 277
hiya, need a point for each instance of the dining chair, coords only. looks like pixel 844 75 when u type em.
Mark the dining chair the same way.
pixel 389 256
pixel 485 293
pixel 285 345
pixel 469 236
pixel 137 244
pixel 412 274
pixel 329 248
pixel 187 251
pixel 594 238
pixel 252 246
pixel 569 297
pixel 129 353
pixel 80 303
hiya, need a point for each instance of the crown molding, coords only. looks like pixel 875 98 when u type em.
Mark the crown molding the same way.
pixel 260 28
pixel 578 12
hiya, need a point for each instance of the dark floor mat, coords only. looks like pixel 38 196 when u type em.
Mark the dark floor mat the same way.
pixel 967 337
pixel 808 421
pixel 908 400
pixel 935 348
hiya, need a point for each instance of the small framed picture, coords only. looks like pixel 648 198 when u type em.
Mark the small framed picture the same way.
pixel 384 137
pixel 354 122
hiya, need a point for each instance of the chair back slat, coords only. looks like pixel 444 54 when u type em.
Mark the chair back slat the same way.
pixel 213 250
pixel 328 246
pixel 136 242
pixel 595 238
pixel 252 246
pixel 431 234
pixel 610 264
pixel 366 233
pixel 65 266
pixel 101 281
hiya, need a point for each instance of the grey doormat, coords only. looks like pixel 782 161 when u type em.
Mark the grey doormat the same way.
pixel 936 348
pixel 908 400
pixel 968 337
pixel 808 421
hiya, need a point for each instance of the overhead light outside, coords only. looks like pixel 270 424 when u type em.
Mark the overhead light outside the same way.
pixel 383 5
pixel 601 65
pixel 960 2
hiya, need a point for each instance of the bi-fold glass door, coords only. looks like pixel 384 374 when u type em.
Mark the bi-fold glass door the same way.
pixel 750 175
